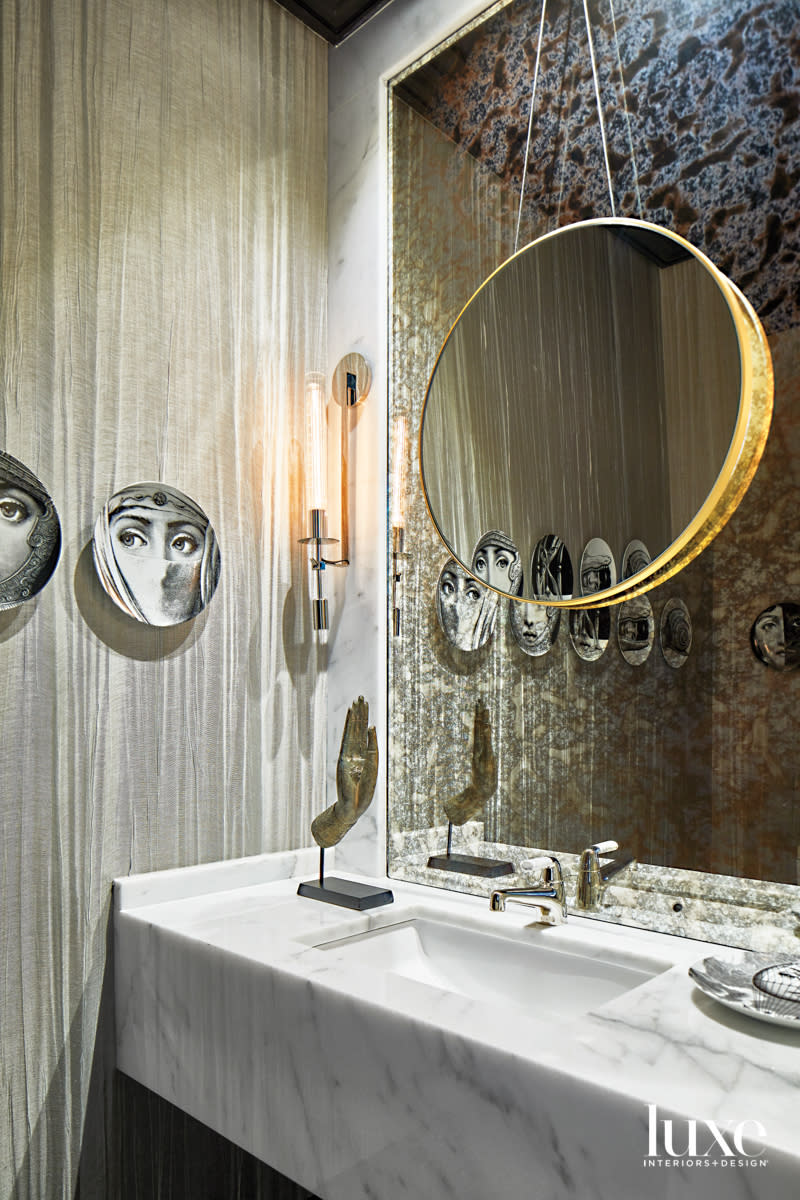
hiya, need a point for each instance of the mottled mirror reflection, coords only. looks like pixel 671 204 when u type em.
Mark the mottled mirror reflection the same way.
pixel 636 629
pixel 467 610
pixel 676 632
pixel 663 760
pixel 496 561
pixel 156 554
pixel 30 533
pixel 775 636
pixel 533 626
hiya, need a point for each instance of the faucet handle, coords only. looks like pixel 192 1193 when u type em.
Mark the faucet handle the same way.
pixel 590 876
pixel 548 864
pixel 605 847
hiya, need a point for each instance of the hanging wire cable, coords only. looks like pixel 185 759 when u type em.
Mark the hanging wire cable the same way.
pixel 530 123
pixel 599 105
pixel 562 174
pixel 627 114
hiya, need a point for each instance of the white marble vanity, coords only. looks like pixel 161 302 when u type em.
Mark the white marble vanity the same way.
pixel 375 1067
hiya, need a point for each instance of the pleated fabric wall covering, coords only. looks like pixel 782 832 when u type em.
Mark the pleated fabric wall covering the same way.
pixel 162 201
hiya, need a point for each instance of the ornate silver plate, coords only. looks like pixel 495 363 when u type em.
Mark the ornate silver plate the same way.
pixel 730 981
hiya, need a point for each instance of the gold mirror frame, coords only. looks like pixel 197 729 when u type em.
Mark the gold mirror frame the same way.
pixel 746 445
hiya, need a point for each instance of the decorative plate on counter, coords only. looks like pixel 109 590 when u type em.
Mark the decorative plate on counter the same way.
pixel 731 982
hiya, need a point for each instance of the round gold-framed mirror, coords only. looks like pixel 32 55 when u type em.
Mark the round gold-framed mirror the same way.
pixel 607 381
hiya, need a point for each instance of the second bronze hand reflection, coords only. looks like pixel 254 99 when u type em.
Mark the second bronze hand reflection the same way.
pixel 483 782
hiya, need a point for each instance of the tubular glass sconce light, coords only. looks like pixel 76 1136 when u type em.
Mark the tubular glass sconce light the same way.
pixel 397 516
pixel 350 385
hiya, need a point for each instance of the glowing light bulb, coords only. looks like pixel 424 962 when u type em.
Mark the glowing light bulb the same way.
pixel 398 477
pixel 316 447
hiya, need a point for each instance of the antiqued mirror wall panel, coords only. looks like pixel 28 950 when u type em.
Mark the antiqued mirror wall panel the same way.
pixel 676 740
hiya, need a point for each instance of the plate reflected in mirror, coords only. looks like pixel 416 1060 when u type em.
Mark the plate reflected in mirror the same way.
pixel 775 637
pixel 598 571
pixel 589 632
pixel 467 610
pixel 496 561
pixel 156 554
pixel 635 630
pixel 676 632
pixel 534 627
pixel 607 376
pixel 551 569
pixel 30 534
pixel 635 558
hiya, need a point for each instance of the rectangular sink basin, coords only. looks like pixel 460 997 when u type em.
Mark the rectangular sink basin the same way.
pixel 542 979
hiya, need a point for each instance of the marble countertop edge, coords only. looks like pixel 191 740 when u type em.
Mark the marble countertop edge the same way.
pixel 657 1041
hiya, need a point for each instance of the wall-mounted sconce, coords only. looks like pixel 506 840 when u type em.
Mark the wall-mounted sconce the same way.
pixel 350 385
pixel 316 471
pixel 397 517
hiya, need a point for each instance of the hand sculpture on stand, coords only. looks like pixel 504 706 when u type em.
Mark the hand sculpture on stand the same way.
pixel 356 775
pixel 470 802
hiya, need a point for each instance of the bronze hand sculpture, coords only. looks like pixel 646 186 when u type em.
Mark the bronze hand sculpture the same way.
pixel 356 773
pixel 469 802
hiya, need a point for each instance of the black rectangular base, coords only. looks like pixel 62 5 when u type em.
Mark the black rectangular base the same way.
pixel 471 864
pixel 347 893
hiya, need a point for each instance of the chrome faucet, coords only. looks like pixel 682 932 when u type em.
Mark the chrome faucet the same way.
pixel 548 895
pixel 592 874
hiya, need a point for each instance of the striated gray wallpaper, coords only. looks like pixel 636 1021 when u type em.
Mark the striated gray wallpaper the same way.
pixel 164 257
pixel 696 767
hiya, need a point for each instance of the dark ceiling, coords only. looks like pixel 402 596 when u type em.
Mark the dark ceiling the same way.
pixel 333 19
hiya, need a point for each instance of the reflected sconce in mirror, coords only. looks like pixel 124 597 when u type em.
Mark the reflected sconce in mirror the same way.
pixel 397 516
pixel 350 385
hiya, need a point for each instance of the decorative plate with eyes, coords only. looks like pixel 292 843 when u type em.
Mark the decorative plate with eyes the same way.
pixel 156 554
pixel 496 561
pixel 467 610
pixel 30 534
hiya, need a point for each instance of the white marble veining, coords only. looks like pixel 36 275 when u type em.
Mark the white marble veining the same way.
pixel 360 1082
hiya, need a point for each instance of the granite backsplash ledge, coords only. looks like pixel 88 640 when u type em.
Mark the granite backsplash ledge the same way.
pixel 747 913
